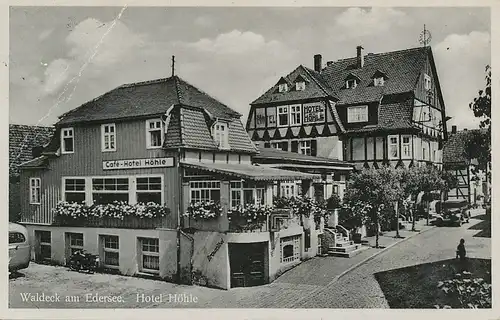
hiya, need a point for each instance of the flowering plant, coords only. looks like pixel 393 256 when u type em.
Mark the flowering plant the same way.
pixel 117 210
pixel 204 210
pixel 249 216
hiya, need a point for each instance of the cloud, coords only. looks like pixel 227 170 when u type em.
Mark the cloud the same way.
pixel 97 46
pixel 461 60
pixel 358 22
pixel 236 42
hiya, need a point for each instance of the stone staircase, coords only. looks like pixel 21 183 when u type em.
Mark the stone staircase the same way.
pixel 344 247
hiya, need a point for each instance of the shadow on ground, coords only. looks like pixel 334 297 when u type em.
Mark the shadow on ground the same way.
pixel 415 287
pixel 16 274
pixel 484 226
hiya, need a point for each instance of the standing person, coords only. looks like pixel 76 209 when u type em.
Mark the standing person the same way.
pixel 461 253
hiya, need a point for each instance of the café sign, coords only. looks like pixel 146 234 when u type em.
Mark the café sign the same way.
pixel 138 163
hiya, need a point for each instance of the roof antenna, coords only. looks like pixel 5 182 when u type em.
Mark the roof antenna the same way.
pixel 425 37
pixel 173 66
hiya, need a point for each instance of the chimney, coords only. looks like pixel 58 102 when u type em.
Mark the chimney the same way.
pixel 317 62
pixel 453 129
pixel 360 60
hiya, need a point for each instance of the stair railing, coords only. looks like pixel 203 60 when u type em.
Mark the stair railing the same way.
pixel 343 230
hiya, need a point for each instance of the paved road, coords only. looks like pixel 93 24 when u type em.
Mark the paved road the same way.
pixel 307 286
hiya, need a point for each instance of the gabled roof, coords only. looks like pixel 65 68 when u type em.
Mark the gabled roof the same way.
pixel 143 99
pixel 189 127
pixel 316 88
pixel 454 149
pixel 402 68
pixel 22 140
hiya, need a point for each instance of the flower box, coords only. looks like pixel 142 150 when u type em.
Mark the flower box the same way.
pixel 128 222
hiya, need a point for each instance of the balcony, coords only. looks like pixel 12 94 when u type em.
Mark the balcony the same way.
pixel 128 222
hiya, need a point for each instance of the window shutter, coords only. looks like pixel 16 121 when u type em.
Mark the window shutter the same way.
pixel 295 146
pixel 314 148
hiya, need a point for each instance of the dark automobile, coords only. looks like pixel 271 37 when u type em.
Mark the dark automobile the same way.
pixel 453 212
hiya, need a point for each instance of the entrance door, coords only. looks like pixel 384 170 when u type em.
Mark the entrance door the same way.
pixel 247 264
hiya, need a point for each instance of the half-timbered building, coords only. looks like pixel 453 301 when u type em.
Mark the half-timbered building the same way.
pixel 161 143
pixel 371 110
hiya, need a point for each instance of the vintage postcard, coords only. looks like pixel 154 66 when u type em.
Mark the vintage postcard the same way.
pixel 267 157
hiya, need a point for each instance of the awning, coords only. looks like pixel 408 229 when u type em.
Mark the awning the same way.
pixel 311 166
pixel 250 172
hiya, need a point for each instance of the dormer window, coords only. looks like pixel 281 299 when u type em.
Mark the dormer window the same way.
pixel 351 83
pixel 427 82
pixel 378 82
pixel 283 87
pixel 300 86
pixel 220 133
pixel 154 133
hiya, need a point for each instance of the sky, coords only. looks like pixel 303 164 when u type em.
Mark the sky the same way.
pixel 61 57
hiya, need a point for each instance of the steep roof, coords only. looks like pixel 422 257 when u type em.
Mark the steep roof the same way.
pixel 22 140
pixel 401 68
pixel 315 88
pixel 145 99
pixel 454 151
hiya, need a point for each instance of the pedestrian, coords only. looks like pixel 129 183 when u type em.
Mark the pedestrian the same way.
pixel 462 262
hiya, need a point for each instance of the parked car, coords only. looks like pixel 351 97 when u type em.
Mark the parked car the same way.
pixel 453 212
pixel 19 247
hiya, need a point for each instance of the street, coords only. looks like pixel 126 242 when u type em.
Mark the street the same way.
pixel 313 284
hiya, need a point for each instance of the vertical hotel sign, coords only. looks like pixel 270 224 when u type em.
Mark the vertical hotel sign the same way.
pixel 138 163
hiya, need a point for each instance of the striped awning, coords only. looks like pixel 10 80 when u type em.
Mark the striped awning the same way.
pixel 250 172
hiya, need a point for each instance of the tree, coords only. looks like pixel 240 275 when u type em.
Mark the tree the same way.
pixel 478 145
pixel 371 195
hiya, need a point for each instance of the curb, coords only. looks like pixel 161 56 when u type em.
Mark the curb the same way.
pixel 343 273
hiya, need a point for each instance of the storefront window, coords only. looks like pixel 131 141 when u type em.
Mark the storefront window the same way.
pixel 202 191
pixel 290 249
pixel 109 190
pixel 149 190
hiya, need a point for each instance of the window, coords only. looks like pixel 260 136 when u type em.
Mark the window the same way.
pixel 320 247
pixel 283 87
pixel 220 134
pixel 288 189
pixel 108 137
pixel 247 193
pixel 427 82
pixel 300 86
pixel 280 145
pixel 434 156
pixel 43 251
pixel 235 193
pixel 357 114
pixel 35 190
pixel 74 190
pixel 351 83
pixel 424 151
pixel 205 191
pixel 16 237
pixel 149 190
pixel 67 140
pixel 75 241
pixel 406 147
pixel 295 114
pixel 149 255
pixel 154 133
pixel 283 116
pixel 305 147
pixel 110 251
pixel 393 147
pixel 290 249
pixel 109 190
pixel 378 82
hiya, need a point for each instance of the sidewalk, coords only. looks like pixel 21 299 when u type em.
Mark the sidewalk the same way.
pixel 320 271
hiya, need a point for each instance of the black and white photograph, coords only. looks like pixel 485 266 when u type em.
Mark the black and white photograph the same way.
pixel 273 157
